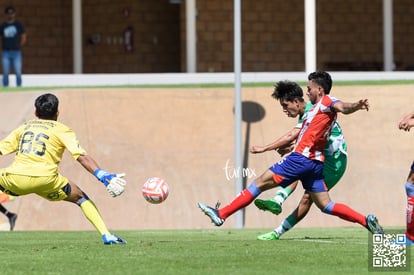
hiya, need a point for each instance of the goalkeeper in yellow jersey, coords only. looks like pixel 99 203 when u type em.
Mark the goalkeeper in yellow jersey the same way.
pixel 39 145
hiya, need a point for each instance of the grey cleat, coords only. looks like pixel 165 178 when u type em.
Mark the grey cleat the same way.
pixel 212 213
pixel 373 226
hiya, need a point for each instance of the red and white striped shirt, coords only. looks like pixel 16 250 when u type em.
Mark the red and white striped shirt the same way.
pixel 316 129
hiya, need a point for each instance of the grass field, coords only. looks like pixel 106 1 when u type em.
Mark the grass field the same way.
pixel 215 251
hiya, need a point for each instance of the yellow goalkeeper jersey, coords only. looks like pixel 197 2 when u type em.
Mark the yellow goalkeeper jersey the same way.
pixel 39 145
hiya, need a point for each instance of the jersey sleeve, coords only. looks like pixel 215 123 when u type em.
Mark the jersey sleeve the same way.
pixel 72 144
pixel 10 144
pixel 334 100
pixel 21 28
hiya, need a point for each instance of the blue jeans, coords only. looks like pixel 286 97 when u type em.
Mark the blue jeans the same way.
pixel 12 58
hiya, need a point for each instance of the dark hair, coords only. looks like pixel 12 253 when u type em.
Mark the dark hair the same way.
pixel 46 106
pixel 287 90
pixel 322 79
pixel 9 10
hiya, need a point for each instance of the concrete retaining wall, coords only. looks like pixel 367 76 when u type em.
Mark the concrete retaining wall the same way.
pixel 186 136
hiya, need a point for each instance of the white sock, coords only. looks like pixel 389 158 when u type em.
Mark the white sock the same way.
pixel 283 227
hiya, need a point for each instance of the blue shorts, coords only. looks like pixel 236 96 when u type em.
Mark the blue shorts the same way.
pixel 298 167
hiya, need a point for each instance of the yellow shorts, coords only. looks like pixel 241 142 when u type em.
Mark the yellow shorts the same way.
pixel 48 187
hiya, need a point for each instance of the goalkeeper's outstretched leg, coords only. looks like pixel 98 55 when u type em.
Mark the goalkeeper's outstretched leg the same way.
pixel 92 214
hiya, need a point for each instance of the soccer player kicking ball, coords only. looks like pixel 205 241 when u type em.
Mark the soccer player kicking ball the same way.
pixel 305 163
pixel 405 124
pixel 290 96
pixel 39 145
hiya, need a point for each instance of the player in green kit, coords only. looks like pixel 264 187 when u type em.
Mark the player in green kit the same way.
pixel 334 166
pixel 39 145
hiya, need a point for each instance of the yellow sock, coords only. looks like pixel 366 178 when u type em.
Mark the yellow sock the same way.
pixel 92 214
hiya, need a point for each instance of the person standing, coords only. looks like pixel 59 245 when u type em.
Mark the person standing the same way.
pixel 405 124
pixel 14 37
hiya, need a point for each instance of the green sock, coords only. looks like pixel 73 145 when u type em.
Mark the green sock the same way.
pixel 292 220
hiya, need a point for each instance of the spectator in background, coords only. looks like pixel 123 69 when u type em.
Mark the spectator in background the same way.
pixel 13 37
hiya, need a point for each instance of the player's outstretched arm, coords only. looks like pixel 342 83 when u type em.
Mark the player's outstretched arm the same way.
pixel 349 108
pixel 114 183
pixel 88 163
pixel 406 122
pixel 282 142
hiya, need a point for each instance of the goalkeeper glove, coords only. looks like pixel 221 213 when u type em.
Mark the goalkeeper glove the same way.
pixel 114 183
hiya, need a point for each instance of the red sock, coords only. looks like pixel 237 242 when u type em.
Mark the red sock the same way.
pixel 410 217
pixel 242 200
pixel 345 212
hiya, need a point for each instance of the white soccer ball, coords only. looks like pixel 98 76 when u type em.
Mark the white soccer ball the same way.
pixel 155 190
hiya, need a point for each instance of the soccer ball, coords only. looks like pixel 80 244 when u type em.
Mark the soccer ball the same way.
pixel 155 190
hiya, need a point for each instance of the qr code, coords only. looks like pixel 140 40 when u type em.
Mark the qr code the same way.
pixel 388 251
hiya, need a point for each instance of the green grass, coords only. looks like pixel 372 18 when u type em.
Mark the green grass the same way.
pixel 215 251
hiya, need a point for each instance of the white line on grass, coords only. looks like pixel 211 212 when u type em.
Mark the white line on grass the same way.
pixel 327 241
